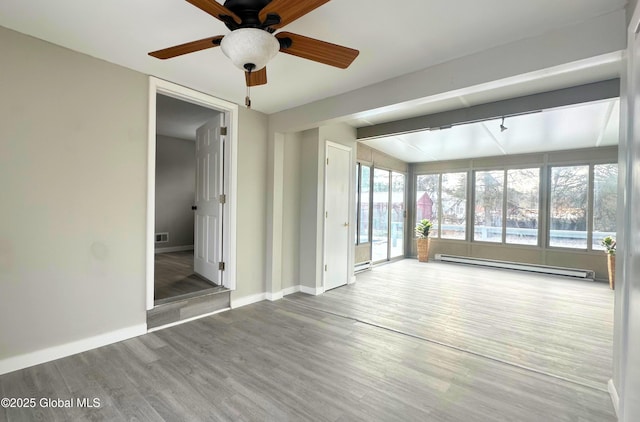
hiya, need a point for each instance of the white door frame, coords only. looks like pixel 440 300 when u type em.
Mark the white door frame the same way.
pixel 350 212
pixel 159 86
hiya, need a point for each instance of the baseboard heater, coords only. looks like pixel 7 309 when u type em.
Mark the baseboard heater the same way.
pixel 363 266
pixel 544 269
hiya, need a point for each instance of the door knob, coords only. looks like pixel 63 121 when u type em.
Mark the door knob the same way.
pixel 346 224
pixel 193 207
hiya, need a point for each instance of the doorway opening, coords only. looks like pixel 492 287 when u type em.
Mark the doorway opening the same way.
pixel 191 187
pixel 177 271
pixel 388 215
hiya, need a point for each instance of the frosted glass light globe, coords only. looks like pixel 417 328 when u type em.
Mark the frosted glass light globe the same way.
pixel 250 45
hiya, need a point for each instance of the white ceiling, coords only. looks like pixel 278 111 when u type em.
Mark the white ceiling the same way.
pixel 394 38
pixel 587 125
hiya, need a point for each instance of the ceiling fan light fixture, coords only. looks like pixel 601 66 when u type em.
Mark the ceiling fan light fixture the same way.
pixel 250 46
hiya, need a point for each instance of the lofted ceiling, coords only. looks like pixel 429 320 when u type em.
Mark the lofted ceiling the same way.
pixel 394 38
pixel 586 125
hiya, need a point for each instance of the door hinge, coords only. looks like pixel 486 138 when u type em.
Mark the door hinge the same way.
pixel 326 214
pixel 327 161
pixel 223 198
pixel 223 131
pixel 404 213
pixel 221 266
pixel 325 267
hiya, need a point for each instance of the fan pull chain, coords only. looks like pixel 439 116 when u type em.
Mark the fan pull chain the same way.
pixel 249 68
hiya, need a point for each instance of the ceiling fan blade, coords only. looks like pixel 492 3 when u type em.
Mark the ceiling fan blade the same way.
pixel 259 77
pixel 189 47
pixel 289 10
pixel 215 9
pixel 318 51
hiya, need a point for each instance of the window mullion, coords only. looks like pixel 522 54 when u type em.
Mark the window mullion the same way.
pixel 504 207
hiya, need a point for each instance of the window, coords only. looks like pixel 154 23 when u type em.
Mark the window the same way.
pixel 489 189
pixel 569 187
pixel 427 200
pixel 442 199
pixel 397 214
pixel 523 203
pixel 363 177
pixel 454 206
pixel 605 196
pixel 380 221
pixel 506 205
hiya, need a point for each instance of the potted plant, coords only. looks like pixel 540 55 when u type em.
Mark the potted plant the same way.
pixel 609 244
pixel 422 233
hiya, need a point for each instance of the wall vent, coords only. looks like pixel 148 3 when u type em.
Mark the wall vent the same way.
pixel 543 269
pixel 162 237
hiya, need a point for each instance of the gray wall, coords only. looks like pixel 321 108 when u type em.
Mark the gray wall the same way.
pixel 310 202
pixel 291 210
pixel 631 6
pixel 73 153
pixel 73 147
pixel 252 200
pixel 175 190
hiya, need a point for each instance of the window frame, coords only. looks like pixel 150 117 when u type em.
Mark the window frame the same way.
pixel 359 201
pixel 466 172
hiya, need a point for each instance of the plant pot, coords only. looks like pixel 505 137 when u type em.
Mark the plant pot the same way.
pixel 423 250
pixel 611 266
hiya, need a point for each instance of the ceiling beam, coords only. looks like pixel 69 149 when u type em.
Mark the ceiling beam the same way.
pixel 515 106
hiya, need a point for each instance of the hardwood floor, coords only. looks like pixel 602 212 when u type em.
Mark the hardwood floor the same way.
pixel 286 361
pixel 174 276
pixel 556 325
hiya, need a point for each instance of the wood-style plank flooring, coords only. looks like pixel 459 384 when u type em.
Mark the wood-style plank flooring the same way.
pixel 556 325
pixel 174 276
pixel 285 361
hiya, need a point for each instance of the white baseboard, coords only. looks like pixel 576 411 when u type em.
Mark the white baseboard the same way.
pixel 174 249
pixel 247 300
pixel 52 353
pixel 311 290
pixel 614 396
pixel 352 280
pixel 274 296
pixel 291 290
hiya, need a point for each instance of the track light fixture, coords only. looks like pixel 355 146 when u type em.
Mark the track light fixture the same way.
pixel 502 126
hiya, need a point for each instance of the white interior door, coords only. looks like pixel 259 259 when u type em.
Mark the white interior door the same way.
pixel 208 205
pixel 337 240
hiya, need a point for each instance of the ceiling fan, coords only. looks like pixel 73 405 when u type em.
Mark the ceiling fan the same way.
pixel 252 43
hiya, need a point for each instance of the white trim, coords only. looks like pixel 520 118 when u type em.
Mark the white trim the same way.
pixel 311 290
pixel 247 300
pixel 57 352
pixel 182 321
pixel 290 290
pixel 174 249
pixel 230 110
pixel 272 297
pixel 614 396
pixel 352 280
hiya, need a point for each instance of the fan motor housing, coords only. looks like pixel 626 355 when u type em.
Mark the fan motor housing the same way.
pixel 248 11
